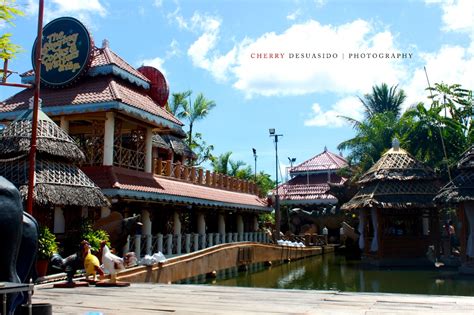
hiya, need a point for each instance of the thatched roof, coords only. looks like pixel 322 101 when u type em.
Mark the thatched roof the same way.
pixel 467 159
pixel 159 142
pixel 56 183
pixel 52 141
pixel 397 180
pixel 461 188
pixel 178 145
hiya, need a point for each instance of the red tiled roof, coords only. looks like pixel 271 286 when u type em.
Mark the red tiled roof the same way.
pixel 93 90
pixel 105 56
pixel 321 162
pixel 111 177
pixel 311 192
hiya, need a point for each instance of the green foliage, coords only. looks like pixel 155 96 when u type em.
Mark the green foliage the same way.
pixel 8 13
pixel 202 150
pixel 382 100
pixel 266 218
pixel 264 183
pixel 94 237
pixel 46 244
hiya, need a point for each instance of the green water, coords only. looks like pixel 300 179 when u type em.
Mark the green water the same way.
pixel 332 272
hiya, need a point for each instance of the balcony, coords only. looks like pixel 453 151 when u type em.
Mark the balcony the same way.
pixel 198 176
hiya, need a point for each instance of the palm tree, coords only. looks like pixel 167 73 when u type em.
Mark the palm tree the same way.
pixel 382 99
pixel 180 100
pixel 195 111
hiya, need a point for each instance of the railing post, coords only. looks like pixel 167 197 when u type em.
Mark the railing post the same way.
pixel 159 242
pixel 169 244
pixel 210 237
pixel 192 176
pixel 158 166
pixel 178 244
pixel 196 242
pixel 246 236
pixel 168 168
pixel 208 178
pixel 187 244
pixel 203 240
pixel 138 245
pixel 229 237
pixel 149 240
pixel 126 248
pixel 235 237
pixel 241 237
pixel 217 238
pixel 177 170
pixel 200 176
pixel 186 173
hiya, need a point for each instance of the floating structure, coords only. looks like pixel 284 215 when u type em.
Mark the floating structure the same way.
pixel 397 217
pixel 460 193
pixel 134 148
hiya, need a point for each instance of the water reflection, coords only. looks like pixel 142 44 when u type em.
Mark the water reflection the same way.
pixel 331 272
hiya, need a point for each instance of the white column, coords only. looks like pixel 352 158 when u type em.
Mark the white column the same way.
pixel 361 228
pixel 240 228
pixel 201 224
pixel 64 124
pixel 148 151
pixel 255 223
pixel 104 212
pixel 221 223
pixel 109 138
pixel 375 240
pixel 177 223
pixel 59 221
pixel 146 230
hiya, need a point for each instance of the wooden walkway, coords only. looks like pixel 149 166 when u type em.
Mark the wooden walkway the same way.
pixel 202 299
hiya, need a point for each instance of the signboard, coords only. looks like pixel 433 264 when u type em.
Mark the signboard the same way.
pixel 66 52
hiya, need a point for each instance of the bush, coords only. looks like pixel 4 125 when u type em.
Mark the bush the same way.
pixel 46 244
pixel 94 237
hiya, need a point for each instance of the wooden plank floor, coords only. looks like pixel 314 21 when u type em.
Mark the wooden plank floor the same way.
pixel 201 299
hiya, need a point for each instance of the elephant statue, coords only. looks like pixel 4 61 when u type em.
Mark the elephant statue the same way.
pixel 18 241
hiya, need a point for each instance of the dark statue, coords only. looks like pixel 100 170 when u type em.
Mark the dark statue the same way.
pixel 69 264
pixel 18 240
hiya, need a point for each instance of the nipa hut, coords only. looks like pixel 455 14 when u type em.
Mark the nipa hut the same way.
pixel 397 217
pixel 460 192
pixel 59 183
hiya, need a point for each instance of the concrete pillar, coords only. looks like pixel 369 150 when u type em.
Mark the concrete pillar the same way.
pixel 59 221
pixel 177 223
pixel 240 224
pixel 221 223
pixel 201 224
pixel 159 241
pixel 109 139
pixel 64 124
pixel 146 228
pixel 104 212
pixel 148 151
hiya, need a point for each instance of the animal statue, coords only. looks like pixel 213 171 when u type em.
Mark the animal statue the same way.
pixel 91 262
pixel 130 259
pixel 69 264
pixel 118 228
pixel 18 240
pixel 112 263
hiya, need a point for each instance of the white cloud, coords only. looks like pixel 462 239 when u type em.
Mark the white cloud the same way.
pixel 81 9
pixel 173 50
pixel 451 64
pixel 158 3
pixel 155 62
pixel 293 15
pixel 458 15
pixel 348 106
pixel 292 76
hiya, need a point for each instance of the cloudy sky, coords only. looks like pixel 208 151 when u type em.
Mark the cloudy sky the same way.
pixel 294 65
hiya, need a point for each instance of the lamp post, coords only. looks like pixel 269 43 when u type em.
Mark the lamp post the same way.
pixel 292 160
pixel 255 159
pixel 277 197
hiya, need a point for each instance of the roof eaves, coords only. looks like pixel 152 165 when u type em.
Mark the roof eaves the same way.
pixel 119 72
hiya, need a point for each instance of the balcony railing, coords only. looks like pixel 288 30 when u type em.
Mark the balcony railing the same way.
pixel 198 176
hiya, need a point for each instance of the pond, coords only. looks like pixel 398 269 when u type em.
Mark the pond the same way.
pixel 334 272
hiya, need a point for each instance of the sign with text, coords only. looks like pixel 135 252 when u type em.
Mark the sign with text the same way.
pixel 66 52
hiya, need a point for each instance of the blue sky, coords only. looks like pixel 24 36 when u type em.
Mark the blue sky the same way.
pixel 212 47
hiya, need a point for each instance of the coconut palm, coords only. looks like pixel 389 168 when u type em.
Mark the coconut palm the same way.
pixel 199 109
pixel 383 99
pixel 180 100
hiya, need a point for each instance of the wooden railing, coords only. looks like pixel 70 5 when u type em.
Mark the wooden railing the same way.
pixel 127 158
pixel 198 176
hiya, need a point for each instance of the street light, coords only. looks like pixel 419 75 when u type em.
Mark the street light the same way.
pixel 292 160
pixel 277 197
pixel 255 158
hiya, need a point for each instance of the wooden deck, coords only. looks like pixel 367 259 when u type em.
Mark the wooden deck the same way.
pixel 201 299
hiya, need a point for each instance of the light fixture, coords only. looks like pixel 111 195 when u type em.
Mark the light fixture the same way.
pixel 271 131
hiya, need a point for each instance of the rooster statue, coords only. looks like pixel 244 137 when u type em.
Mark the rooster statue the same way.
pixel 91 263
pixel 69 264
pixel 112 263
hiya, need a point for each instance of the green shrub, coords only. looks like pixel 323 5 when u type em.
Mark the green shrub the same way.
pixel 46 243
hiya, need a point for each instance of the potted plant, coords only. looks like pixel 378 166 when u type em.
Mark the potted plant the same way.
pixel 47 246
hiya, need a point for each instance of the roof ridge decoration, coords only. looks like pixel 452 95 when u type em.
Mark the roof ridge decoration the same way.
pixel 337 161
